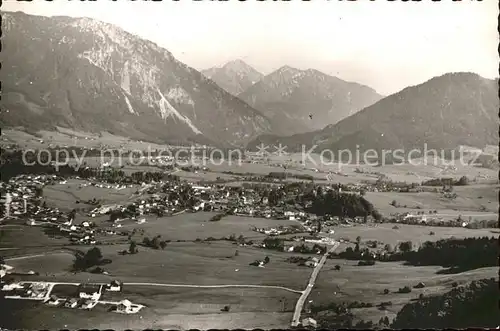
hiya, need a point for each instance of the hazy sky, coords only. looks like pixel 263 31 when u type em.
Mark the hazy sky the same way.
pixel 386 45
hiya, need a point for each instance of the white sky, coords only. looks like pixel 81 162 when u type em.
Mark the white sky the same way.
pixel 386 45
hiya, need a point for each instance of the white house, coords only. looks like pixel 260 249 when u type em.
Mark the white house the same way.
pixel 89 304
pixel 309 322
pixel 115 286
pixel 127 307
pixel 93 296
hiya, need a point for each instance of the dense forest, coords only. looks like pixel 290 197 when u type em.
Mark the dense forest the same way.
pixel 474 305
pixel 457 255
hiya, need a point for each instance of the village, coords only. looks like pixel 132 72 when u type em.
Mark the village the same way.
pixel 309 222
pixel 22 196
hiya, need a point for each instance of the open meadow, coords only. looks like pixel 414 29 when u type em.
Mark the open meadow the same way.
pixel 31 316
pixel 478 200
pixel 65 196
pixel 192 226
pixel 417 234
pixel 20 239
pixel 209 263
pixel 367 284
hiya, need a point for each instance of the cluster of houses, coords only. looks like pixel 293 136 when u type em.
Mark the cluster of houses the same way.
pixel 428 219
pixel 117 187
pixel 214 198
pixel 86 296
pixel 29 291
pixel 19 193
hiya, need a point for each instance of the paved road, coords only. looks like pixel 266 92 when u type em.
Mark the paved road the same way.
pixel 310 285
pixel 25 257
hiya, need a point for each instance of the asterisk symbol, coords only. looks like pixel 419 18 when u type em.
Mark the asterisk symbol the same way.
pixel 262 149
pixel 280 149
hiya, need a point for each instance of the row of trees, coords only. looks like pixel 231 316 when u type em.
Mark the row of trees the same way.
pixel 93 257
pixel 155 243
pixel 462 181
pixel 455 254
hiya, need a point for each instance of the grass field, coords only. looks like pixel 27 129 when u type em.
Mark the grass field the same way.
pixel 212 263
pixel 33 316
pixel 476 199
pixel 51 265
pixel 68 137
pixel 415 233
pixel 367 284
pixel 64 196
pixel 190 226
pixel 15 235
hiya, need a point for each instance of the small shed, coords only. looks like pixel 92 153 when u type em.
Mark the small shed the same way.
pixel 309 322
pixel 419 285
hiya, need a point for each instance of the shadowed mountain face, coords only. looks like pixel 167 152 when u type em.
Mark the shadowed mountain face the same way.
pixel 234 77
pixel 298 101
pixel 444 112
pixel 88 75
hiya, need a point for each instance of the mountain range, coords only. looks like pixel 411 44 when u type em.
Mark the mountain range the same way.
pixel 297 101
pixel 234 77
pixel 92 76
pixel 445 112
pixel 87 75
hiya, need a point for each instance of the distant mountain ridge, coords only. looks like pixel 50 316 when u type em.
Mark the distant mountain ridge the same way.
pixel 445 112
pixel 85 74
pixel 298 101
pixel 234 77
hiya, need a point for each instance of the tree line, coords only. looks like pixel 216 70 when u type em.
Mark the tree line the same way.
pixel 457 255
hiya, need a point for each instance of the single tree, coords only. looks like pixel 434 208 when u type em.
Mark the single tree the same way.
pixel 405 246
pixel 132 249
